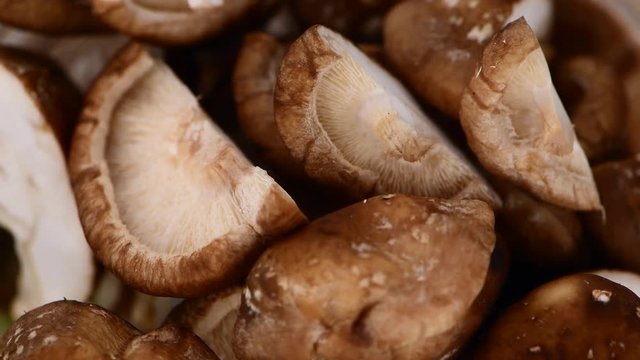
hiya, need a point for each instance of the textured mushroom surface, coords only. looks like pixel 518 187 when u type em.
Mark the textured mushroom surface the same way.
pixel 177 21
pixel 580 316
pixel 380 279
pixel 168 343
pixel 356 128
pixel 212 318
pixel 435 45
pixel 37 206
pixel 66 330
pixel 517 126
pixel 169 204
pixel 616 230
pixel 50 16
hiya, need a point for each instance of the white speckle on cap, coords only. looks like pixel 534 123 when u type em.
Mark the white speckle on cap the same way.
pixel 32 335
pixel 19 350
pixel 535 349
pixel 392 241
pixel 379 278
pixel 590 354
pixel 451 3
pixel 364 283
pixel 458 55
pixel 49 340
pixel 480 33
pixel 456 20
pixel 602 296
pixel 389 196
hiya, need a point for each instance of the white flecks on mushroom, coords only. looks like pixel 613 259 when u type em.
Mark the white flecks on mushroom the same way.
pixel 480 33
pixel 602 296
pixel 49 340
pixel 37 205
pixel 201 4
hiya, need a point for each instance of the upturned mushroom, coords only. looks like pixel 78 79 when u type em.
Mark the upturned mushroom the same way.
pixel 168 343
pixel 50 16
pixel 175 22
pixel 212 318
pixel 516 124
pixel 37 206
pixel 581 316
pixel 168 203
pixel 66 330
pixel 380 279
pixel 616 230
pixel 595 100
pixel 357 129
pixel 435 45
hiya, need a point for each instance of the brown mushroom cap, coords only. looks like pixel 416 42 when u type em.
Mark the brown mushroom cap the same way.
pixel 616 230
pixel 66 330
pixel 595 100
pixel 254 81
pixel 168 203
pixel 628 279
pixel 517 126
pixel 377 280
pixel 168 343
pixel 353 18
pixel 212 318
pixel 50 16
pixel 356 128
pixel 177 21
pixel 539 233
pixel 580 316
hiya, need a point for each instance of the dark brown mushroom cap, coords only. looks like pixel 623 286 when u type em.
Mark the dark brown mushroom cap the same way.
pixel 168 343
pixel 353 18
pixel 165 265
pixel 355 128
pixel 51 90
pixel 66 330
pixel 212 318
pixel 515 123
pixel 174 22
pixel 377 280
pixel 434 45
pixel 50 16
pixel 616 230
pixel 254 81
pixel 539 233
pixel 595 100
pixel 580 316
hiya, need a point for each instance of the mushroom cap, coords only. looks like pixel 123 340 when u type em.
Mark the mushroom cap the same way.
pixel 39 109
pixel 167 201
pixel 168 343
pixel 50 16
pixel 377 280
pixel 212 318
pixel 66 330
pixel 174 22
pixel 615 230
pixel 581 316
pixel 595 100
pixel 356 128
pixel 254 81
pixel 517 126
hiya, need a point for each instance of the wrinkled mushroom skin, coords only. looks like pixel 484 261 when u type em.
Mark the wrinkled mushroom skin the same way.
pixel 174 22
pixel 380 279
pixel 580 316
pixel 515 123
pixel 50 16
pixel 168 343
pixel 58 100
pixel 434 45
pixel 352 18
pixel 254 81
pixel 595 100
pixel 66 330
pixel 616 231
pixel 212 318
pixel 537 232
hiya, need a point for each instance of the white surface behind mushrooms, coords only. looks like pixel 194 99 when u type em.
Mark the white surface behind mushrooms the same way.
pixel 37 205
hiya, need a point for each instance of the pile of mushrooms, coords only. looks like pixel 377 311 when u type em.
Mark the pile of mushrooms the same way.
pixel 391 179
